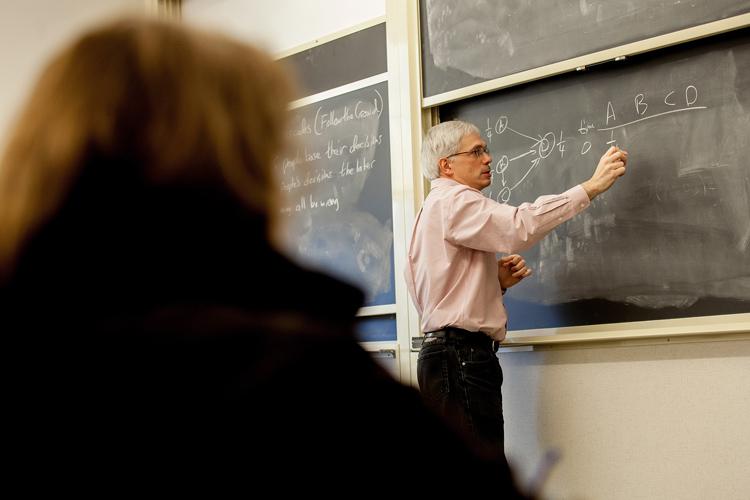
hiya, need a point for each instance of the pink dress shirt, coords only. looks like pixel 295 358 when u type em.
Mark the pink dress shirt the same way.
pixel 451 269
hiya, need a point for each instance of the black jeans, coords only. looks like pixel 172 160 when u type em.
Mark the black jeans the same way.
pixel 460 376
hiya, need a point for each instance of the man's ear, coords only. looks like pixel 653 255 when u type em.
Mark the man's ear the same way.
pixel 446 170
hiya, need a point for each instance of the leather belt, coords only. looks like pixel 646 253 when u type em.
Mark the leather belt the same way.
pixel 464 336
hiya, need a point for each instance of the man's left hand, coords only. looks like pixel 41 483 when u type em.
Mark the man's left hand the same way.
pixel 511 269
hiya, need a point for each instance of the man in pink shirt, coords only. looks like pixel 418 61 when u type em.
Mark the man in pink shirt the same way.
pixel 457 283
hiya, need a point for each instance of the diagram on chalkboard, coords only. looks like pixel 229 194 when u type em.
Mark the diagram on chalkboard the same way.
pixel 549 142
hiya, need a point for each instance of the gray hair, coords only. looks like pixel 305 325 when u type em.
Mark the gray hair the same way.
pixel 443 140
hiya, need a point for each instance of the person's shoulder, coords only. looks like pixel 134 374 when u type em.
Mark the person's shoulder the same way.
pixel 320 289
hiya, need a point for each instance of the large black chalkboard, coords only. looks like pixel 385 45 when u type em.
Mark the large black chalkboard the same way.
pixel 336 186
pixel 468 42
pixel 672 238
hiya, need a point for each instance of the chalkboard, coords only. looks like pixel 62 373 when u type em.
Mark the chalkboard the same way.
pixel 380 328
pixel 336 205
pixel 672 238
pixel 468 42
pixel 351 58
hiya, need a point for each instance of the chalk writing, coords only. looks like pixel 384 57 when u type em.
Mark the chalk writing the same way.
pixel 516 166
pixel 335 187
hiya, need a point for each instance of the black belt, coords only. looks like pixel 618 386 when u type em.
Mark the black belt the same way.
pixel 464 336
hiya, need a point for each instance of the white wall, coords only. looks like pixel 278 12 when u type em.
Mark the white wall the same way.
pixel 31 31
pixel 279 25
pixel 660 421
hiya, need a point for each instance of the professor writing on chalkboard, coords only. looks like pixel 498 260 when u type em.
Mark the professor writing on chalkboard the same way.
pixel 457 283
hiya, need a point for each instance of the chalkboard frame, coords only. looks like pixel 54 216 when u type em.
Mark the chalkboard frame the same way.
pixel 580 63
pixel 697 329
pixel 399 77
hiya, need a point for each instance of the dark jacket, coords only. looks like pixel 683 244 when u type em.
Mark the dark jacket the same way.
pixel 166 346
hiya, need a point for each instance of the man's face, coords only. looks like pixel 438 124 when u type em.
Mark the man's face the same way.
pixel 468 168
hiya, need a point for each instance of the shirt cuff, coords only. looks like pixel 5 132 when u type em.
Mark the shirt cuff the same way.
pixel 578 197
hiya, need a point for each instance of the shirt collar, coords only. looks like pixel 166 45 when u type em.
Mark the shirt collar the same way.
pixel 446 182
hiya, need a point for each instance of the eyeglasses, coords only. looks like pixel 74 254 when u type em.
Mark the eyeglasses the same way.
pixel 477 151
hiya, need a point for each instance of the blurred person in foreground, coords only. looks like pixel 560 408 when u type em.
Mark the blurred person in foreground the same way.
pixel 156 338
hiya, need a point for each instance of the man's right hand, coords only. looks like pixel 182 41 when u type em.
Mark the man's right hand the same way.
pixel 610 167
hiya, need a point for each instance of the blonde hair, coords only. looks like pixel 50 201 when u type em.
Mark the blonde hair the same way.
pixel 184 106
